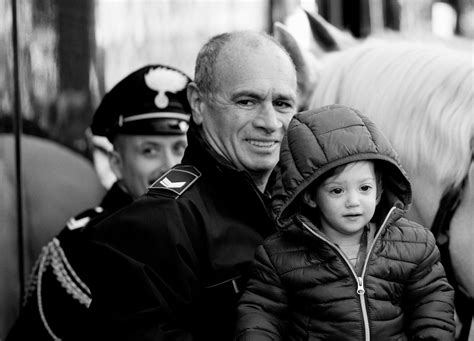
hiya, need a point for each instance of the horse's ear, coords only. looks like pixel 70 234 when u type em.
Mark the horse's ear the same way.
pixel 306 64
pixel 328 37
pixel 321 31
pixel 289 42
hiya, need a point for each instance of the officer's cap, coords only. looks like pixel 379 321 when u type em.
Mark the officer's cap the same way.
pixel 149 101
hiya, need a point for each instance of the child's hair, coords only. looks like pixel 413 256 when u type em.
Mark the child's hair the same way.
pixel 339 169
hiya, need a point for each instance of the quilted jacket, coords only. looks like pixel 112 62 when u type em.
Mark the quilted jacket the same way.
pixel 303 287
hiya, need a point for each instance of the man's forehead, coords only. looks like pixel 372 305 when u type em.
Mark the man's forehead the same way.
pixel 151 139
pixel 261 66
pixel 259 84
pixel 261 88
pixel 240 47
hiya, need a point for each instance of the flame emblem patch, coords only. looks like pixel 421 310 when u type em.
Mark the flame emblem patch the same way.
pixel 164 80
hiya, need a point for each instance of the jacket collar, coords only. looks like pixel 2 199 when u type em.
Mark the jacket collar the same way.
pixel 200 154
pixel 116 198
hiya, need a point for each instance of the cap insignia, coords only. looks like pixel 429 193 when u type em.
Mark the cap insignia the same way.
pixel 164 80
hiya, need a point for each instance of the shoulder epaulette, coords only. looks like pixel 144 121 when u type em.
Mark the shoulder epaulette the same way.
pixel 84 218
pixel 175 181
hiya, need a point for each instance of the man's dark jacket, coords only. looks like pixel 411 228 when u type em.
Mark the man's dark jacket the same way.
pixel 171 265
pixel 58 297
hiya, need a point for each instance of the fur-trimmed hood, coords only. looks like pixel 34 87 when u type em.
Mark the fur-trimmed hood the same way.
pixel 321 139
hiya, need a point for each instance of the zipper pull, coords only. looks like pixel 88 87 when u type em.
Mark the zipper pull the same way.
pixel 360 286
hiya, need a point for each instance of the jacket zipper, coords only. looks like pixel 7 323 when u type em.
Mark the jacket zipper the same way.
pixel 359 279
pixel 365 317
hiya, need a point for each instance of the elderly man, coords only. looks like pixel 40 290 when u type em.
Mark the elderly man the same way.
pixel 146 117
pixel 171 265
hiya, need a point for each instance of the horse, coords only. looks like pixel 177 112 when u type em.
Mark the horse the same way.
pixel 57 184
pixel 421 96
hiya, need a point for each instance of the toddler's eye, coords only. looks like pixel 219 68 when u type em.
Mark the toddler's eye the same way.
pixel 336 190
pixel 365 188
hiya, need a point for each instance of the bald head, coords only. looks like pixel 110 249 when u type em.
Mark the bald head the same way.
pixel 236 47
pixel 243 98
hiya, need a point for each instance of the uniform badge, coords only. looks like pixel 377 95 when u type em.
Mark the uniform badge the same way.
pixel 84 218
pixel 164 80
pixel 176 181
pixel 73 223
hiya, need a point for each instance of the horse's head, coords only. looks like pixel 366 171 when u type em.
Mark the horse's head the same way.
pixel 324 38
pixel 421 96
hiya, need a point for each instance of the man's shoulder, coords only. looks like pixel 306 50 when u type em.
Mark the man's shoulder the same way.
pixel 162 206
pixel 84 218
pixel 175 182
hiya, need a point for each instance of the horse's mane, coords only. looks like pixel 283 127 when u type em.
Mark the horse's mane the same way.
pixel 420 95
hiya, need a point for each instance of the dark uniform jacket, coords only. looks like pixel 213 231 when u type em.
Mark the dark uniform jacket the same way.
pixel 58 297
pixel 303 287
pixel 170 266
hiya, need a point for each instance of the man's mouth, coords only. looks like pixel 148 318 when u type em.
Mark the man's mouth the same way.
pixel 262 143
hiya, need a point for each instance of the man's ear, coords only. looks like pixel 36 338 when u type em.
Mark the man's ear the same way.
pixel 115 161
pixel 308 199
pixel 196 102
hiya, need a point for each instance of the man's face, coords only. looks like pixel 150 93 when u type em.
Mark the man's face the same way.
pixel 255 98
pixel 140 159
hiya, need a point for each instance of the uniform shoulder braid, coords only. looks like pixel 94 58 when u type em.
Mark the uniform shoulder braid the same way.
pixel 175 181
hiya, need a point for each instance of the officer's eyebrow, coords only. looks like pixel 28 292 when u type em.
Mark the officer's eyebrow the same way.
pixel 248 93
pixel 150 143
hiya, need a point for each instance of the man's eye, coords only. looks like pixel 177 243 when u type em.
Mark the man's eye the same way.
pixel 283 104
pixel 149 151
pixel 246 102
pixel 180 148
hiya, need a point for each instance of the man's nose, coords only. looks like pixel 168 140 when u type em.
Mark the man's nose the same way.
pixel 170 158
pixel 267 118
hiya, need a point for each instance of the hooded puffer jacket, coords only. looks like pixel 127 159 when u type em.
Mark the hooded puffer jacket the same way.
pixel 304 288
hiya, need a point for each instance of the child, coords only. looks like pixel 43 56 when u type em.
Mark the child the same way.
pixel 345 264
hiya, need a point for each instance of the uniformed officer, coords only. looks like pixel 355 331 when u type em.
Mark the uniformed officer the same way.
pixel 171 265
pixel 145 117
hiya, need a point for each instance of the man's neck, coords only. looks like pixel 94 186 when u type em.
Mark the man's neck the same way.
pixel 260 180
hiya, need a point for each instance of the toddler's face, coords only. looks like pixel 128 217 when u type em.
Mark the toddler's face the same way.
pixel 347 202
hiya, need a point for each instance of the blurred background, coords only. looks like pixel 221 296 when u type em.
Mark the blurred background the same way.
pixel 59 57
pixel 69 53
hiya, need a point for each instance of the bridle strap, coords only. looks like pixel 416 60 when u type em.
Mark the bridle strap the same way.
pixel 447 207
pixel 440 228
